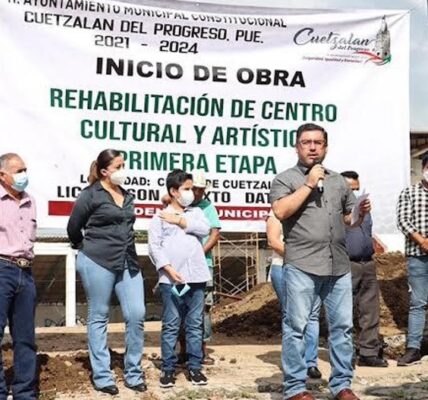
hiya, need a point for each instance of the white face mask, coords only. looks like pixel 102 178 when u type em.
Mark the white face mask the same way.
pixel 425 175
pixel 186 197
pixel 118 177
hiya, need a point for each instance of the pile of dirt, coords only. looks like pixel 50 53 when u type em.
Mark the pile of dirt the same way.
pixel 257 314
pixel 394 290
pixel 56 374
pixel 62 373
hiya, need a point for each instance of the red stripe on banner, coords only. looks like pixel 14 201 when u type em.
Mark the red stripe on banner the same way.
pixel 60 208
pixel 147 210
pixel 227 213
pixel 370 54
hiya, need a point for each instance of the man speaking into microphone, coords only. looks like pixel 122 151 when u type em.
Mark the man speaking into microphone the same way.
pixel 314 204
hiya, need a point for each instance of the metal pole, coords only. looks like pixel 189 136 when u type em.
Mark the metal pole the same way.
pixel 70 288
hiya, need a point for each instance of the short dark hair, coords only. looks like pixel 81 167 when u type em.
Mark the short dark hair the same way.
pixel 311 127
pixel 176 178
pixel 425 160
pixel 350 174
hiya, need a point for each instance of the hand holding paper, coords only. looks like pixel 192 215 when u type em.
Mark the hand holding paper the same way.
pixel 361 207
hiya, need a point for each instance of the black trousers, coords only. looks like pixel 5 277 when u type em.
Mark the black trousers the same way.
pixel 365 289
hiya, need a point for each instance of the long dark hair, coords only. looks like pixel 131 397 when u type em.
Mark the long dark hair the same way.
pixel 103 160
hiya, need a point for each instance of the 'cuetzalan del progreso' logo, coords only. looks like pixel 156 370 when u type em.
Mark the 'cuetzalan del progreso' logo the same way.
pixel 381 53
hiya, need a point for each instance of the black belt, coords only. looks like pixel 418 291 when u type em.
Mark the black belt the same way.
pixel 18 261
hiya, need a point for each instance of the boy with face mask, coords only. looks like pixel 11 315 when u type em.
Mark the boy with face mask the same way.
pixel 175 247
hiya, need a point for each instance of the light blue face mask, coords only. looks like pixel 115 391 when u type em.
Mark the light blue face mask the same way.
pixel 358 192
pixel 179 293
pixel 20 181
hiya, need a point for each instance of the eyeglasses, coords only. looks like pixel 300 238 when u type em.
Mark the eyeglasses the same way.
pixel 309 143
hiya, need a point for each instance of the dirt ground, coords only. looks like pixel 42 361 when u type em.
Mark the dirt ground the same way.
pixel 257 314
pixel 246 349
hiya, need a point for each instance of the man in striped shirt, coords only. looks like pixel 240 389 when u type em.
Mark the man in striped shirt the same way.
pixel 17 289
pixel 412 219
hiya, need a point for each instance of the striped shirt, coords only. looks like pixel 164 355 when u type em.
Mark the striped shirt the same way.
pixel 17 225
pixel 412 216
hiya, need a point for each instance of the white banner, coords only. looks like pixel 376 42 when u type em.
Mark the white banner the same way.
pixel 222 92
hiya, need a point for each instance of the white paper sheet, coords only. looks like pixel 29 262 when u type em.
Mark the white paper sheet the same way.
pixel 356 209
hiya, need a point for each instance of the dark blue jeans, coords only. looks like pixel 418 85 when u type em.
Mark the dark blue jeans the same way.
pixel 17 305
pixel 189 308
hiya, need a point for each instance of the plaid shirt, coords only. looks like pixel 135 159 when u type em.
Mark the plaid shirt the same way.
pixel 412 216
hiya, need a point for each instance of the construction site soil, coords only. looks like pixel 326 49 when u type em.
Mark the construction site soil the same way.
pixel 63 363
pixel 257 313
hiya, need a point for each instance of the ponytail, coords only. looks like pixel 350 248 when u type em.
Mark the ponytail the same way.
pixel 93 173
pixel 103 160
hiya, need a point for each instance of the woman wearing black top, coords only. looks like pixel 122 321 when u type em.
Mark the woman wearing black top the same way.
pixel 107 261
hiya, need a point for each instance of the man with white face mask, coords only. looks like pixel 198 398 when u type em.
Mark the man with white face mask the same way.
pixel 412 219
pixel 175 247
pixel 17 288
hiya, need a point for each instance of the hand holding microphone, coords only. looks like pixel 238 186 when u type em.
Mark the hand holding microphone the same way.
pixel 320 183
pixel 316 176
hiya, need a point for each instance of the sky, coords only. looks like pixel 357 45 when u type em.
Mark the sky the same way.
pixel 418 40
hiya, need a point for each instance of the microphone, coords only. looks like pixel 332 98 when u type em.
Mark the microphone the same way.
pixel 320 184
